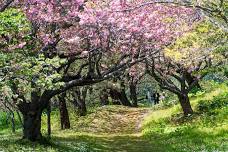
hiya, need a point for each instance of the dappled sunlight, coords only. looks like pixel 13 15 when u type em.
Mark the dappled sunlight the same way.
pixel 117 143
pixel 206 131
pixel 113 119
pixel 119 131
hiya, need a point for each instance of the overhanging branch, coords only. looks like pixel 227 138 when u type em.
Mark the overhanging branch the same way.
pixel 4 6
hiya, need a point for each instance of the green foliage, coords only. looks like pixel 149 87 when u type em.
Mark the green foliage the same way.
pixel 217 103
pixel 14 31
pixel 26 69
pixel 13 21
pixel 3 119
pixel 5 122
pixel 195 90
pixel 226 71
pixel 19 62
pixel 204 40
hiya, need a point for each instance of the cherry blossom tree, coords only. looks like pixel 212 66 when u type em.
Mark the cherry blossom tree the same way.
pixel 194 55
pixel 215 10
pixel 136 73
pixel 77 43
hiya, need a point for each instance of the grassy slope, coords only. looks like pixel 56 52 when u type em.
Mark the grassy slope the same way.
pixel 199 132
pixel 119 129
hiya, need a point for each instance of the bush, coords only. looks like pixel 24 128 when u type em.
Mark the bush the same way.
pixel 195 90
pixel 3 119
pixel 216 103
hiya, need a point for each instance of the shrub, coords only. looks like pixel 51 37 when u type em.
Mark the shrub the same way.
pixel 216 103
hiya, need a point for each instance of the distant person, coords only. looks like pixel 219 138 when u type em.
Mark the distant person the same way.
pixel 148 96
pixel 157 98
pixel 162 97
pixel 154 98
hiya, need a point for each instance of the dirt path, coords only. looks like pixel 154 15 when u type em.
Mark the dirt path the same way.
pixel 109 129
pixel 112 120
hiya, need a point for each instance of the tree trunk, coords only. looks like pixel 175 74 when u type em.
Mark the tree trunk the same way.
pixel 104 97
pixel 82 108
pixel 80 98
pixel 49 119
pixel 32 125
pixel 64 116
pixel 13 122
pixel 190 79
pixel 123 97
pixel 185 104
pixel 20 120
pixel 115 95
pixel 119 97
pixel 32 112
pixel 133 95
pixel 82 104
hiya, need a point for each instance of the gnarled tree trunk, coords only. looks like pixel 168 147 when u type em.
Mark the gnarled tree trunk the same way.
pixel 82 108
pixel 123 97
pixel 32 112
pixel 133 95
pixel 32 125
pixel 80 100
pixel 119 97
pixel 185 104
pixel 190 79
pixel 104 97
pixel 64 116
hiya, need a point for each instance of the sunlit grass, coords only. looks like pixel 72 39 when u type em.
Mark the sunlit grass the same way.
pixel 107 119
pixel 122 129
pixel 110 128
pixel 199 132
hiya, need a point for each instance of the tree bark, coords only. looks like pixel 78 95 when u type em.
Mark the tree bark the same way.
pixel 119 97
pixel 32 112
pixel 185 104
pixel 80 100
pixel 104 97
pixel 20 120
pixel 13 122
pixel 115 95
pixel 49 119
pixel 133 95
pixel 190 79
pixel 123 97
pixel 64 116
pixel 82 108
pixel 32 125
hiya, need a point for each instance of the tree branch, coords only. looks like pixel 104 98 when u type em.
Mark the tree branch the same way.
pixel 7 4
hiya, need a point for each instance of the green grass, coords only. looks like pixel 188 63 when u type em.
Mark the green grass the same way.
pixel 104 120
pixel 121 129
pixel 110 128
pixel 199 132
